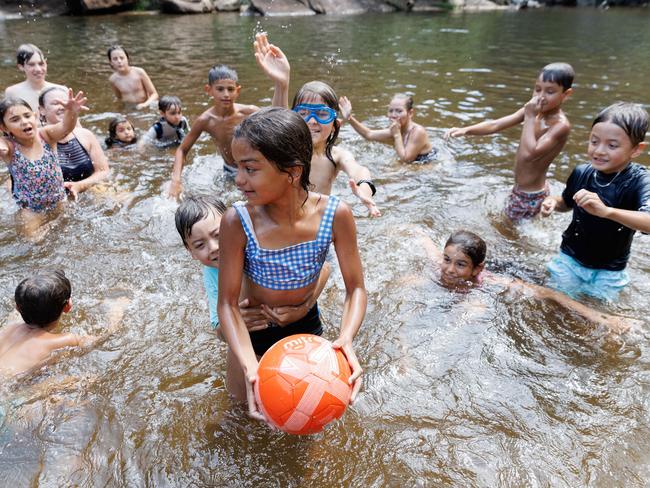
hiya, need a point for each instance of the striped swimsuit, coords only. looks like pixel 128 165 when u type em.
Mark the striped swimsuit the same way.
pixel 74 160
pixel 291 267
pixel 36 184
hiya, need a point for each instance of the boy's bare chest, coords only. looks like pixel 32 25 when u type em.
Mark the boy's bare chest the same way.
pixel 130 82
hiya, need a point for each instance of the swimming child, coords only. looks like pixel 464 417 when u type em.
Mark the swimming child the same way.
pixel 220 120
pixel 610 199
pixel 409 139
pixel 31 61
pixel 130 83
pixel 172 127
pixel 197 221
pixel 462 266
pixel 120 133
pixel 275 244
pixel 543 136
pixel 81 157
pixel 41 300
pixel 318 105
pixel 30 153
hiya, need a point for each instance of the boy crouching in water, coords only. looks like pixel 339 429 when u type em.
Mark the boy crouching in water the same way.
pixel 198 219
pixel 41 300
pixel 544 133
pixel 610 199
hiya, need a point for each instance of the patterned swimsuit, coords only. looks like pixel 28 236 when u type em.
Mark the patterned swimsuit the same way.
pixel 36 184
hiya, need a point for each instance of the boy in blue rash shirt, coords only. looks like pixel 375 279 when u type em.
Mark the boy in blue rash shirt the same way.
pixel 198 219
pixel 610 198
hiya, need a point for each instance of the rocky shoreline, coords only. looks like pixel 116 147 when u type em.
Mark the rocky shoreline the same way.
pixel 20 8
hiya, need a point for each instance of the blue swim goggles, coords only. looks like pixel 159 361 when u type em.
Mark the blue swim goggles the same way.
pixel 321 113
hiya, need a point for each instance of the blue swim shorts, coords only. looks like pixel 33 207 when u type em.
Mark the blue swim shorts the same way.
pixel 572 278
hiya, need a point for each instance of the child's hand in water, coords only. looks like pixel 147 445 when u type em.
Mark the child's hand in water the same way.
pixel 367 201
pixel 533 106
pixel 455 132
pixel 345 106
pixel 271 59
pixel 74 188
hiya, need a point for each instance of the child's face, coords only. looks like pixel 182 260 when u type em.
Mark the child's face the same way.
pixel 20 122
pixel 223 92
pixel 173 115
pixel 319 131
pixel 610 148
pixel 397 111
pixel 119 61
pixel 457 268
pixel 203 241
pixel 35 69
pixel 258 178
pixel 552 95
pixel 124 132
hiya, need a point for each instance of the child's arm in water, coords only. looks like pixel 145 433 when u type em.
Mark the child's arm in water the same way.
pixel 97 157
pixel 344 235
pixel 276 66
pixel 53 133
pixel 488 126
pixel 199 125
pixel 232 242
pixel 532 149
pixel 381 135
pixel 149 89
pixel 359 178
pixel 614 323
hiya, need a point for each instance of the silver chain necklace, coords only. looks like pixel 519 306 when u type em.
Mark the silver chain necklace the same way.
pixel 610 181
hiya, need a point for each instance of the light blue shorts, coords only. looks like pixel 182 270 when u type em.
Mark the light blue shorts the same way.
pixel 572 278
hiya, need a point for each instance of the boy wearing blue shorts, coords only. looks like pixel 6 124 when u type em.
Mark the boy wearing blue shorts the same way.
pixel 610 199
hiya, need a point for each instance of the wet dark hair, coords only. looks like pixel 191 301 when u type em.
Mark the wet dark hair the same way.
pixel 408 98
pixel 116 47
pixel 44 93
pixel 470 244
pixel 9 102
pixel 41 298
pixel 631 117
pixel 221 72
pixel 25 53
pixel 112 139
pixel 169 101
pixel 328 95
pixel 559 73
pixel 282 136
pixel 193 209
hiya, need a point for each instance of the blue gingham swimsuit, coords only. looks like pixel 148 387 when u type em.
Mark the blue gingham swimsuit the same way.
pixel 289 268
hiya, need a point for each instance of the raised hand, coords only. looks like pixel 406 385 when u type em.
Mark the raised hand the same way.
pixel 271 59
pixel 74 103
pixel 533 106
pixel 345 106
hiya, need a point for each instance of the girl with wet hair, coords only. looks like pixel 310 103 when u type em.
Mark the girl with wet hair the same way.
pixel 120 132
pixel 275 245
pixel 410 140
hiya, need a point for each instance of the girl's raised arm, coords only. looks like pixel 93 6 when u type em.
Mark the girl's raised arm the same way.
pixel 232 242
pixel 76 103
pixel 356 299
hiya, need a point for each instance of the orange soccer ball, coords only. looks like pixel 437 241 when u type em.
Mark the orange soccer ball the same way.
pixel 303 384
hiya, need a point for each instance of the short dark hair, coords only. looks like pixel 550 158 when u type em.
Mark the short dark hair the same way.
pixel 112 131
pixel 470 244
pixel 282 136
pixel 631 117
pixel 41 298
pixel 116 47
pixel 559 73
pixel 221 72
pixel 194 209
pixel 25 53
pixel 168 101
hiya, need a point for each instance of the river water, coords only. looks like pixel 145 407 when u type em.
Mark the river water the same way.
pixel 480 389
